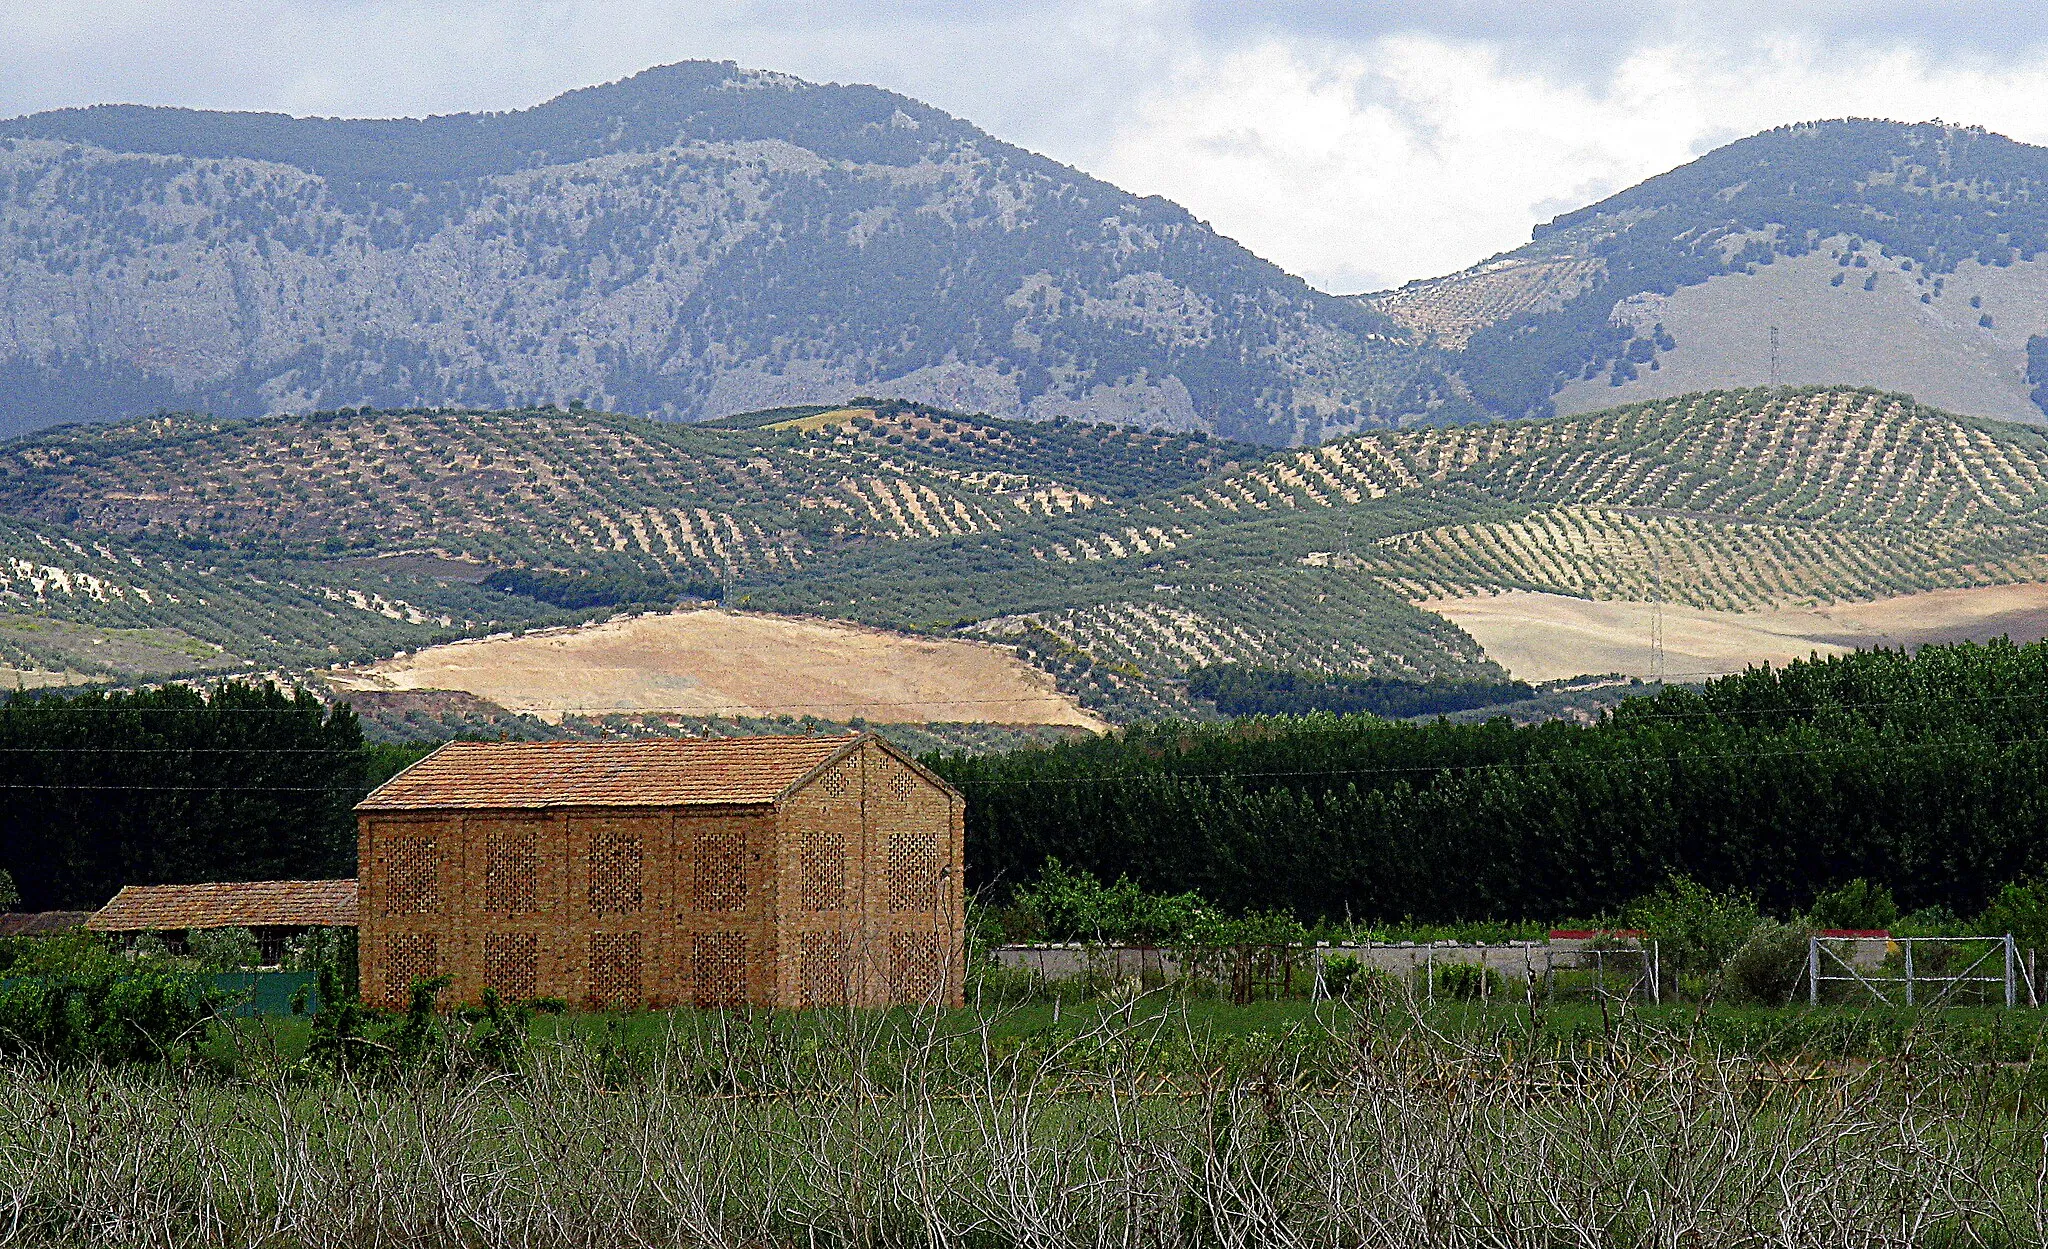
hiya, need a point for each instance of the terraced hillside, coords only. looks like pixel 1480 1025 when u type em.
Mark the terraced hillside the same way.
pixel 1118 560
pixel 577 490
pixel 1731 502
pixel 345 536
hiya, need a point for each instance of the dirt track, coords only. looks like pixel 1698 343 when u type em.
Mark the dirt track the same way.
pixel 1540 637
pixel 711 662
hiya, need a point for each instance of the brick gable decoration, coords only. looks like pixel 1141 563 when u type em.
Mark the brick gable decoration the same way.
pixel 764 871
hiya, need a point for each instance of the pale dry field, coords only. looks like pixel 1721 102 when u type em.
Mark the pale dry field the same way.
pixel 1541 637
pixel 711 662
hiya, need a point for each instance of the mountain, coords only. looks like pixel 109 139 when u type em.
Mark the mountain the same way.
pixel 1123 562
pixel 1911 258
pixel 692 242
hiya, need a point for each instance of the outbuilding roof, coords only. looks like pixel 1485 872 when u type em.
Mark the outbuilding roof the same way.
pixel 728 771
pixel 232 904
pixel 41 923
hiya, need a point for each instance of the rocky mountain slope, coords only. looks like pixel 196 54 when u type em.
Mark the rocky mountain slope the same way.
pixel 695 241
pixel 1907 257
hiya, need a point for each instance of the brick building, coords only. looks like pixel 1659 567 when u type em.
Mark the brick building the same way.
pixel 764 871
pixel 274 910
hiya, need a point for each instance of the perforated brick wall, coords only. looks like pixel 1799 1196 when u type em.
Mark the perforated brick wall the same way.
pixel 846 890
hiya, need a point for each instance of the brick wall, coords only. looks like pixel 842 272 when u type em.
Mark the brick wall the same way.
pixel 848 893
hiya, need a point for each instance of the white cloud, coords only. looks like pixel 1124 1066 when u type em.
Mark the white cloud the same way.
pixel 1361 168
pixel 1357 145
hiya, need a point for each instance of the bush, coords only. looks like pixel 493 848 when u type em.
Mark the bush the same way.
pixel 224 949
pixel 103 1011
pixel 1696 929
pixel 1467 982
pixel 2021 908
pixel 1067 905
pixel 1856 905
pixel 1768 968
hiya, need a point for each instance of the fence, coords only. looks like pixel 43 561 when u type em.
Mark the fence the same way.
pixel 1903 964
pixel 1561 970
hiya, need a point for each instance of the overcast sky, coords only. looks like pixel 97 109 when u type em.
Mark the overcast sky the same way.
pixel 1359 145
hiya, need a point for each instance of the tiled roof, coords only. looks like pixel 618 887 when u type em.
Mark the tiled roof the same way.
pixel 728 771
pixel 41 923
pixel 238 904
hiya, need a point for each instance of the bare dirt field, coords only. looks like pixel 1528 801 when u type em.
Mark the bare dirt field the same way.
pixel 1541 637
pixel 710 662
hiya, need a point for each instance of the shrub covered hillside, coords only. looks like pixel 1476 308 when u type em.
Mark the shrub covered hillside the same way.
pixel 1923 773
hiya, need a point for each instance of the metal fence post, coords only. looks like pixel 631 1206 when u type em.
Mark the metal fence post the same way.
pixel 1656 973
pixel 1909 971
pixel 2009 986
pixel 1813 971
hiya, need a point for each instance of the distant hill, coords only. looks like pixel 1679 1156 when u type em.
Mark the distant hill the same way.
pixel 1912 258
pixel 1122 561
pixel 695 241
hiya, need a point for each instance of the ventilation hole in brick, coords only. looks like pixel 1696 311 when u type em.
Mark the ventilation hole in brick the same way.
pixel 615 968
pixel 719 869
pixel 824 867
pixel 511 870
pixel 834 782
pixel 901 785
pixel 412 875
pixel 914 966
pixel 718 970
pixel 826 969
pixel 512 964
pixel 615 863
pixel 408 956
pixel 913 872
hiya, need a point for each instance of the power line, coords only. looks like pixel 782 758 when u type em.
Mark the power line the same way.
pixel 1592 764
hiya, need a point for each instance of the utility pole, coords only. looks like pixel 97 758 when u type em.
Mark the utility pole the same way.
pixel 1774 356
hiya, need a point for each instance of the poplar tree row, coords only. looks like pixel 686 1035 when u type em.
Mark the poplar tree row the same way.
pixel 1924 773
pixel 175 786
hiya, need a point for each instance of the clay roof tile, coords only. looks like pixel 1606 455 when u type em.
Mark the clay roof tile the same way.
pixel 230 904
pixel 730 771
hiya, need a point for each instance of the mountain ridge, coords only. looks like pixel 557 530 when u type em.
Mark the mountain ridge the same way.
pixel 703 240
pixel 1946 224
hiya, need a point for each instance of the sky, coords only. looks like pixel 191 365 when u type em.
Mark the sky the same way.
pixel 1359 145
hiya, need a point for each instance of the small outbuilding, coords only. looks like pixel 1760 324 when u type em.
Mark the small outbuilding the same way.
pixel 41 923
pixel 778 871
pixel 275 910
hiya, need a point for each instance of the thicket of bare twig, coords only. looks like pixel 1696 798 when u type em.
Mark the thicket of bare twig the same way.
pixel 866 1132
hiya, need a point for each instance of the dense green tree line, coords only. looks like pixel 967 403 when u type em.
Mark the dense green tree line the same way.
pixel 580 590
pixel 1240 691
pixel 172 785
pixel 1923 773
